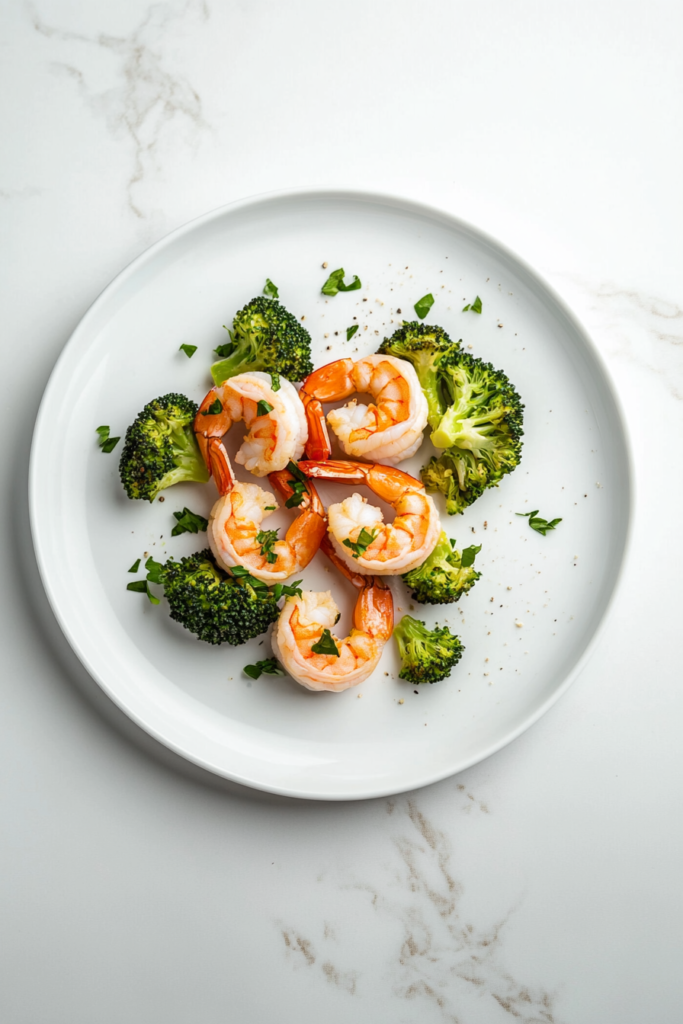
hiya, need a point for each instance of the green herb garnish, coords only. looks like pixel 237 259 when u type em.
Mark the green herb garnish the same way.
pixel 188 522
pixel 135 566
pixel 227 348
pixel 335 283
pixel 213 409
pixel 474 307
pixel 270 290
pixel 288 589
pixel 155 570
pixel 326 645
pixel 142 587
pixel 268 667
pixel 243 574
pixel 275 381
pixel 266 538
pixel 263 408
pixel 189 350
pixel 423 305
pixel 269 508
pixel 362 542
pixel 106 443
pixel 350 331
pixel 468 555
pixel 298 485
pixel 538 524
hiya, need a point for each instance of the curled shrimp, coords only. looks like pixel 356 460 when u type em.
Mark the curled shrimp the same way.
pixel 275 420
pixel 236 535
pixel 390 428
pixel 358 531
pixel 303 621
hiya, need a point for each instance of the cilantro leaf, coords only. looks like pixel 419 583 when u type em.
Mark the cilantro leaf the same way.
pixel 213 409
pixel 361 543
pixel 188 522
pixel 269 667
pixel 474 307
pixel 106 443
pixel 423 305
pixel 142 587
pixel 288 589
pixel 243 574
pixel 263 408
pixel 335 283
pixel 266 538
pixel 298 485
pixel 227 348
pixel 189 350
pixel 155 570
pixel 270 290
pixel 468 555
pixel 350 331
pixel 536 523
pixel 135 566
pixel 326 645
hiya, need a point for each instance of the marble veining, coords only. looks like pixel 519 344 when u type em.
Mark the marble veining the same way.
pixel 150 99
pixel 637 326
pixel 442 960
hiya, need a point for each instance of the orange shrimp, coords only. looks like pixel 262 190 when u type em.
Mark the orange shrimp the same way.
pixel 358 532
pixel 236 536
pixel 304 620
pixel 389 429
pixel 275 420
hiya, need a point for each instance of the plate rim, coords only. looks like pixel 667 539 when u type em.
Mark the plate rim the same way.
pixel 406 204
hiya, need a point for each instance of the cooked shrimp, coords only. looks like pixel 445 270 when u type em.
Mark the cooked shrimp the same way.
pixel 304 620
pixel 358 531
pixel 236 534
pixel 389 429
pixel 275 420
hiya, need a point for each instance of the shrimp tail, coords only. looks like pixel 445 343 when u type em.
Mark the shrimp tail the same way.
pixel 318 446
pixel 218 463
pixel 387 482
pixel 310 527
pixel 374 610
pixel 329 383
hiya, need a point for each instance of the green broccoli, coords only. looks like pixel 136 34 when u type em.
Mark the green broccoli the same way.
pixel 216 607
pixel 480 431
pixel 265 336
pixel 428 655
pixel 160 448
pixel 445 576
pixel 424 346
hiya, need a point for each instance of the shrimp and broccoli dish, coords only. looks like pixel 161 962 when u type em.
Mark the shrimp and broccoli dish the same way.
pixel 419 386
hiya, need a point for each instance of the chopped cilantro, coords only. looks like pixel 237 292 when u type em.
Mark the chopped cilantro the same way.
pixel 268 667
pixel 538 524
pixel 326 645
pixel 423 305
pixel 188 522
pixel 474 307
pixel 362 542
pixel 189 350
pixel 266 538
pixel 335 283
pixel 350 331
pixel 263 408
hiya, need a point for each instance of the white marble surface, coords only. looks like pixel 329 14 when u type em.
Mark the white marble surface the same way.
pixel 542 885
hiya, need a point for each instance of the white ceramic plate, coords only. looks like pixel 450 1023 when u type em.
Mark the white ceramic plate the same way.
pixel 271 733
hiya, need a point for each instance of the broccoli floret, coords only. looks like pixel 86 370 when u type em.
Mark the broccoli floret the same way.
pixel 445 576
pixel 424 346
pixel 480 431
pixel 215 606
pixel 428 655
pixel 265 336
pixel 160 448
